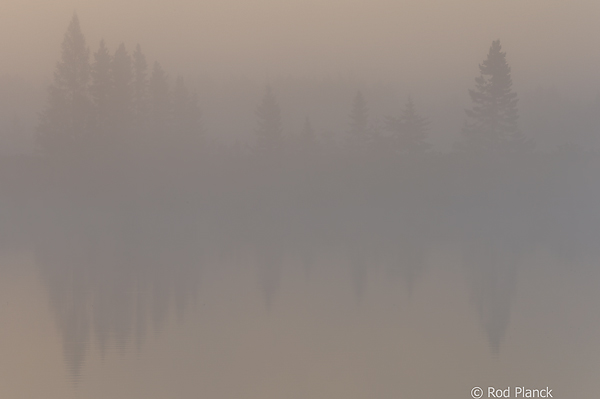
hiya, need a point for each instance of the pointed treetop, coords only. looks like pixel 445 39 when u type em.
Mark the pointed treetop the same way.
pixel 491 123
pixel 139 59
pixel 158 80
pixel 269 130
pixel 122 63
pixel 409 130
pixel 359 134
pixel 102 60
pixel 73 68
pixel 102 82
pixel 159 95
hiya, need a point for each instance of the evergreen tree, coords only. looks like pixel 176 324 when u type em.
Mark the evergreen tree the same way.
pixel 181 104
pixel 491 124
pixel 122 95
pixel 101 86
pixel 64 123
pixel 186 116
pixel 140 86
pixel 409 131
pixel 160 101
pixel 269 130
pixel 359 135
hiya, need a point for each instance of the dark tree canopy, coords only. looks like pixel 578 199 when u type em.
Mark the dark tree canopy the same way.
pixel 491 123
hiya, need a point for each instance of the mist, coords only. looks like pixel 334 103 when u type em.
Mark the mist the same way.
pixel 299 199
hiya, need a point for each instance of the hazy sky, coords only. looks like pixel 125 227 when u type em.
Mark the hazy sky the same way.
pixel 422 42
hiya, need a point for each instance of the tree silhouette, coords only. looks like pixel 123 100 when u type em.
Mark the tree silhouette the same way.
pixel 160 101
pixel 63 124
pixel 101 86
pixel 269 130
pixel 186 117
pixel 101 93
pixel 491 124
pixel 409 131
pixel 122 94
pixel 140 86
pixel 359 134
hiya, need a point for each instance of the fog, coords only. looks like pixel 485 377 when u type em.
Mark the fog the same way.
pixel 299 199
pixel 412 41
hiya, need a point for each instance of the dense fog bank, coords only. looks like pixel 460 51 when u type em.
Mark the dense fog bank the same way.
pixel 132 188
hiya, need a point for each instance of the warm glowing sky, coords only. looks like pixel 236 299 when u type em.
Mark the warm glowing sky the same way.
pixel 421 41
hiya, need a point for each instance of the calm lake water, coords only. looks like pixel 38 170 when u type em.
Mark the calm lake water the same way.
pixel 88 311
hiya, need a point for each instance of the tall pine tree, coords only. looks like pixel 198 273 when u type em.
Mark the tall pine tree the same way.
pixel 491 124
pixel 64 124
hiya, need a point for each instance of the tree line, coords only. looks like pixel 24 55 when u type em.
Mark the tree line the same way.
pixel 105 106
pixel 111 107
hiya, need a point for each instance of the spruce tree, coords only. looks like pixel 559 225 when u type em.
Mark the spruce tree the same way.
pixel 140 86
pixel 358 135
pixel 101 86
pixel 491 124
pixel 186 116
pixel 269 131
pixel 409 131
pixel 181 104
pixel 64 123
pixel 122 97
pixel 160 101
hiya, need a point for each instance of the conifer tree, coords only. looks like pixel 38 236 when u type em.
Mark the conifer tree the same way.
pixel 269 131
pixel 64 123
pixel 186 115
pixel 409 131
pixel 140 86
pixel 121 100
pixel 359 135
pixel 101 86
pixel 181 104
pixel 491 124
pixel 160 101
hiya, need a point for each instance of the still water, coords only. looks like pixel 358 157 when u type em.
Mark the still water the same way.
pixel 91 308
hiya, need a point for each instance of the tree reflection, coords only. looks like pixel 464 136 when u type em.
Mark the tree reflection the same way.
pixel 106 282
pixel 120 261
